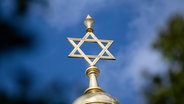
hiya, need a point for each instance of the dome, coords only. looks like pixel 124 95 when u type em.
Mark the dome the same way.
pixel 96 98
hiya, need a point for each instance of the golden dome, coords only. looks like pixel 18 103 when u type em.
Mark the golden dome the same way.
pixel 96 98
pixel 94 94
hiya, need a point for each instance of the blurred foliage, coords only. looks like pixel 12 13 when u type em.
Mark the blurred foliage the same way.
pixel 13 37
pixel 23 82
pixel 23 5
pixel 169 89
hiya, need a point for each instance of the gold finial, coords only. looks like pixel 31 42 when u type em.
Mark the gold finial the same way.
pixel 93 94
pixel 93 72
pixel 88 23
pixel 104 44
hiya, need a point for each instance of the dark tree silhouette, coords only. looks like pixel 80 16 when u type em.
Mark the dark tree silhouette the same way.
pixel 171 45
pixel 13 37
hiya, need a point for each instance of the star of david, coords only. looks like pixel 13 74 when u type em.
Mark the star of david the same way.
pixel 91 59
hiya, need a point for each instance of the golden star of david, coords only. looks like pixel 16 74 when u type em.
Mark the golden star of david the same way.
pixel 91 59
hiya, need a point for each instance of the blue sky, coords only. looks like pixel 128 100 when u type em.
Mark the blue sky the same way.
pixel 133 25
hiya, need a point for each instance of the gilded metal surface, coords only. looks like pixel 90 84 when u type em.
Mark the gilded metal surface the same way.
pixel 104 44
pixel 89 30
pixel 98 103
pixel 91 59
pixel 93 90
pixel 89 22
pixel 96 98
pixel 93 72
pixel 93 94
pixel 92 69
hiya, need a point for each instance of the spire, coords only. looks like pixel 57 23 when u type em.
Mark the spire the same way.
pixel 93 94
pixel 93 72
